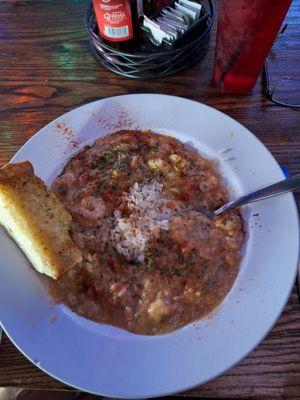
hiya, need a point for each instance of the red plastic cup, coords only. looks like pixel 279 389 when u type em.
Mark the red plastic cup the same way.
pixel 246 32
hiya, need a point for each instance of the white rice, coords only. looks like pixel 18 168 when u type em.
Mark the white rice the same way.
pixel 148 216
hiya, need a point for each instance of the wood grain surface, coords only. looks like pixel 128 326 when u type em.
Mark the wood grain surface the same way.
pixel 46 69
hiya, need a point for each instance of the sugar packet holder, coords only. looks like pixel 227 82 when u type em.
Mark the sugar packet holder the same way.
pixel 174 25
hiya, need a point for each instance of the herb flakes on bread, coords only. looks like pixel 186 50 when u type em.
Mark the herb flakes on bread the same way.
pixel 36 220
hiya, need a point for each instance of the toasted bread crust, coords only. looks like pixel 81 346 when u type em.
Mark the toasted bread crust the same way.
pixel 13 172
pixel 37 220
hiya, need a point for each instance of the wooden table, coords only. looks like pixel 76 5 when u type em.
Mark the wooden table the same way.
pixel 46 69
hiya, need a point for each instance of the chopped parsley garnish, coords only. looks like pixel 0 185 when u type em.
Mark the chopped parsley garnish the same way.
pixel 122 166
pixel 154 147
pixel 148 263
pixel 101 163
pixel 176 272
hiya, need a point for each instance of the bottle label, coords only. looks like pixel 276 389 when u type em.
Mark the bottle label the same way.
pixel 114 19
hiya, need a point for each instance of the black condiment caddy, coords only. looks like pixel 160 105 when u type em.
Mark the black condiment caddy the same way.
pixel 151 61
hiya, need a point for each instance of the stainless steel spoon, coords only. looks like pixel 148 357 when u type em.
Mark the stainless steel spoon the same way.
pixel 287 185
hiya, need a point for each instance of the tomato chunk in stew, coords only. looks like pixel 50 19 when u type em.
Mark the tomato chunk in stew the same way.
pixel 142 270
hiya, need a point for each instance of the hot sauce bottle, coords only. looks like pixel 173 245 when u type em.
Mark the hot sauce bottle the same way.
pixel 118 23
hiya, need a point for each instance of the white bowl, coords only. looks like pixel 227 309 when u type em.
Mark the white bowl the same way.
pixel 109 361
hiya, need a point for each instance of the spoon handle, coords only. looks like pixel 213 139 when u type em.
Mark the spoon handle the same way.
pixel 287 185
